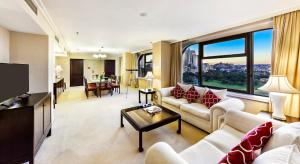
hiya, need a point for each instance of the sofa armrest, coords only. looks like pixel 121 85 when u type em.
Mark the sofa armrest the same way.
pixel 166 91
pixel 218 111
pixel 163 153
pixel 244 121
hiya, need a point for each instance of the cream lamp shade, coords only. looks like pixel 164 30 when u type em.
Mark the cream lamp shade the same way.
pixel 279 84
pixel 149 75
pixel 58 71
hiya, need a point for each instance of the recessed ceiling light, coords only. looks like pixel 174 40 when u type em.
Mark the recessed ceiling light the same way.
pixel 143 14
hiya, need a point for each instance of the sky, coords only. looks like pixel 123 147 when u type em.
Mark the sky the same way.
pixel 262 48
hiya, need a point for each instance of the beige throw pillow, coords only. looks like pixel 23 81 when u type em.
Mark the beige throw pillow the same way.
pixel 185 87
pixel 286 135
pixel 288 154
pixel 221 93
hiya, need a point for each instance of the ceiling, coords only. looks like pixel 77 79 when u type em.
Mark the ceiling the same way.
pixel 14 18
pixel 117 25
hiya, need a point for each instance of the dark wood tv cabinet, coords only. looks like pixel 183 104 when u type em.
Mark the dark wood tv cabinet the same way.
pixel 23 128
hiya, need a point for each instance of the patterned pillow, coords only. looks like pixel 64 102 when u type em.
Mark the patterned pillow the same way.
pixel 192 95
pixel 260 135
pixel 243 153
pixel 177 92
pixel 210 99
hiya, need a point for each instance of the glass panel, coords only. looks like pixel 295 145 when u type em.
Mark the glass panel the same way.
pixel 230 47
pixel 190 73
pixel 148 58
pixel 148 68
pixel 141 66
pixel 228 73
pixel 262 50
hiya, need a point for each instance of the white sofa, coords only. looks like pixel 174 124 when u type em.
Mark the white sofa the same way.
pixel 213 147
pixel 198 114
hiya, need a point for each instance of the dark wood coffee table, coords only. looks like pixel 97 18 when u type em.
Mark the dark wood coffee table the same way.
pixel 143 121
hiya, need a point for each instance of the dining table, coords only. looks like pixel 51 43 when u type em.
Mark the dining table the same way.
pixel 98 80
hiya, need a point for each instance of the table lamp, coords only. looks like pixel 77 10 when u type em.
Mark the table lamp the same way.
pixel 149 77
pixel 279 87
pixel 58 71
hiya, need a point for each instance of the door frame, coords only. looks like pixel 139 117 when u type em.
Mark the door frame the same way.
pixel 71 72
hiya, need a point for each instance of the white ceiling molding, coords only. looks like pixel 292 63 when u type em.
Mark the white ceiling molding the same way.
pixel 264 24
pixel 246 26
pixel 42 9
pixel 14 18
pixel 118 26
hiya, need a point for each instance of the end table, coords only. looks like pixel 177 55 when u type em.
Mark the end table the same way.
pixel 146 92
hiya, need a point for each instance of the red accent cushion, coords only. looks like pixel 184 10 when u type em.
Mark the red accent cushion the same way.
pixel 177 92
pixel 210 99
pixel 192 95
pixel 243 153
pixel 260 135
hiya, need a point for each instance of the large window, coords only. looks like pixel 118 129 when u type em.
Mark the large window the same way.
pixel 224 63
pixel 262 51
pixel 228 73
pixel 230 47
pixel 239 63
pixel 190 66
pixel 144 64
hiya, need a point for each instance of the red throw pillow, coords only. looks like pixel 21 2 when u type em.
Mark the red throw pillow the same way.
pixel 210 99
pixel 192 95
pixel 260 135
pixel 243 153
pixel 177 92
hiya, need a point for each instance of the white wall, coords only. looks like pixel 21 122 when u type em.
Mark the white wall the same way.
pixel 90 56
pixel 92 67
pixel 4 45
pixel 31 49
pixel 64 62
pixel 89 61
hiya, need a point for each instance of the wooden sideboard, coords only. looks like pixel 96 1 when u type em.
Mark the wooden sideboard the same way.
pixel 58 85
pixel 23 128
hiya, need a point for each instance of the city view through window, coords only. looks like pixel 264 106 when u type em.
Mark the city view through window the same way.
pixel 230 70
pixel 262 51
pixel 190 66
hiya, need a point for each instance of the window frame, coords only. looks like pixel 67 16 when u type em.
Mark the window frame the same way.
pixel 182 53
pixel 144 56
pixel 249 54
pixel 245 54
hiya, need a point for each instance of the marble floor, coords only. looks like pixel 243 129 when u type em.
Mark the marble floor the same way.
pixel 87 131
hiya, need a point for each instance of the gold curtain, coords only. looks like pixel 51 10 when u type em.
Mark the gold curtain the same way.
pixel 175 75
pixel 286 55
pixel 129 62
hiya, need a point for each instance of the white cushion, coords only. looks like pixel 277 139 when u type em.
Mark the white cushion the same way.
pixel 201 91
pixel 166 91
pixel 185 87
pixel 221 93
pixel 173 101
pixel 196 109
pixel 163 153
pixel 225 138
pixel 286 135
pixel 202 152
pixel 288 154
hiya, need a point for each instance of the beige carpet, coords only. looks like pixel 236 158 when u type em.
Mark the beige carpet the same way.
pixel 87 131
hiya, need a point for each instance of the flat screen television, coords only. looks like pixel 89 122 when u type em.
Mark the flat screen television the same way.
pixel 14 80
